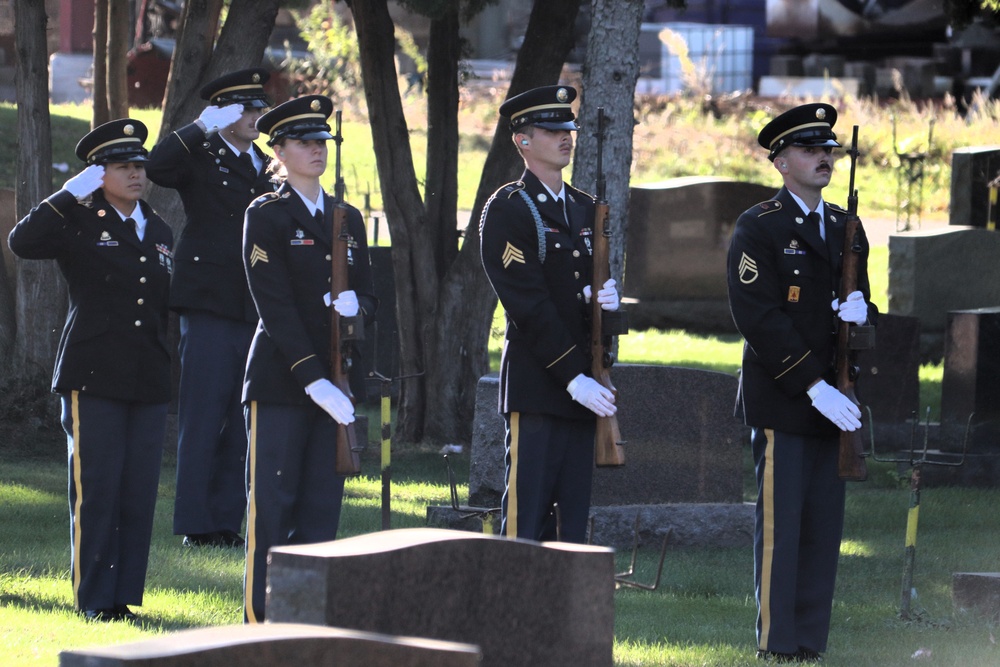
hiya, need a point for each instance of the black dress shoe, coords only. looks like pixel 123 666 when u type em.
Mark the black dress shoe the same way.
pixel 227 538
pixel 100 615
pixel 125 614
pixel 808 655
pixel 201 540
pixel 773 656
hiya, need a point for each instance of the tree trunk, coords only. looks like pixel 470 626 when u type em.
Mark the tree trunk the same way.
pixel 445 310
pixel 41 292
pixel 118 29
pixel 102 114
pixel 610 72
pixel 441 189
pixel 241 44
pixel 412 246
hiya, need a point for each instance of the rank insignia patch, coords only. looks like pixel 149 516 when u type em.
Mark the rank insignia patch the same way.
pixel 512 254
pixel 747 270
pixel 258 254
pixel 793 294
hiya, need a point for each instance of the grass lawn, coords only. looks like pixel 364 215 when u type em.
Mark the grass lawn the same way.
pixel 701 615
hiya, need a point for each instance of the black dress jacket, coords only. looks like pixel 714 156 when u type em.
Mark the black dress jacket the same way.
pixel 782 279
pixel 287 254
pixel 548 321
pixel 216 187
pixel 114 342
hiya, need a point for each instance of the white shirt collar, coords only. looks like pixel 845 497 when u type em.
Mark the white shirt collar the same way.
pixel 562 191
pixel 802 206
pixel 312 206
pixel 137 215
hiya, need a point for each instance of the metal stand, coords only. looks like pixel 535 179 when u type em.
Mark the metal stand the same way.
pixel 915 463
pixel 910 176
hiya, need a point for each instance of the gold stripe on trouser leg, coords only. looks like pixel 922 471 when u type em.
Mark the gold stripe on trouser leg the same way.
pixel 78 484
pixel 515 432
pixel 251 516
pixel 767 548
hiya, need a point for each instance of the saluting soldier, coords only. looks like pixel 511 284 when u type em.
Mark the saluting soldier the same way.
pixel 537 250
pixel 112 370
pixel 292 409
pixel 217 170
pixel 784 269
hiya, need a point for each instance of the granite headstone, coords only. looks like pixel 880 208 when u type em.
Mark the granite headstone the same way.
pixel 523 603
pixel 275 645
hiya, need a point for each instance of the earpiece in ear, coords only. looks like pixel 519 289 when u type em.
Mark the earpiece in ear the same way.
pixel 524 142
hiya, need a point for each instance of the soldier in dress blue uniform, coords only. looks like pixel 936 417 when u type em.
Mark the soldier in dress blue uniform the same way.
pixel 292 409
pixel 784 270
pixel 112 369
pixel 217 170
pixel 537 251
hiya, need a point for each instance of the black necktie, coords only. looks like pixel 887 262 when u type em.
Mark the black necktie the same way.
pixel 134 225
pixel 245 158
pixel 814 219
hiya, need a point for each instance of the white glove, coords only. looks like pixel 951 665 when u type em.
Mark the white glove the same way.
pixel 326 395
pixel 215 118
pixel 835 406
pixel 592 395
pixel 86 181
pixel 853 310
pixel 346 303
pixel 606 296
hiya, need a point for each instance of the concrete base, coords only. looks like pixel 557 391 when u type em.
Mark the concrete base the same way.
pixel 690 524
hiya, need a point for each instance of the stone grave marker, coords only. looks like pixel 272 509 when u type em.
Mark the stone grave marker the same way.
pixel 523 603
pixel 275 645
pixel 683 469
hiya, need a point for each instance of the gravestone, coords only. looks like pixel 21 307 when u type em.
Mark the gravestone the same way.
pixel 936 271
pixel 677 240
pixel 977 592
pixel 889 379
pixel 971 380
pixel 275 645
pixel 682 440
pixel 683 469
pixel 972 169
pixel 523 603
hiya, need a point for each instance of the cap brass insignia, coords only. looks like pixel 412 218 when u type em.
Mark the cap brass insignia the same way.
pixel 255 78
pixel 747 270
pixel 129 130
pixel 258 254
pixel 562 95
pixel 821 113
pixel 314 105
pixel 512 254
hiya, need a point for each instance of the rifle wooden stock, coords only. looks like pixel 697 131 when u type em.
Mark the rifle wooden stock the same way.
pixel 608 449
pixel 348 448
pixel 851 464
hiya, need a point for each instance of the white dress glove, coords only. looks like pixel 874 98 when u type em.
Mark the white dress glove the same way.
pixel 346 303
pixel 853 310
pixel 215 118
pixel 86 181
pixel 607 296
pixel 326 395
pixel 592 395
pixel 835 406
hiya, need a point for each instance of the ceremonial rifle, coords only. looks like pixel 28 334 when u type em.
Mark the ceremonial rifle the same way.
pixel 343 330
pixel 851 464
pixel 608 445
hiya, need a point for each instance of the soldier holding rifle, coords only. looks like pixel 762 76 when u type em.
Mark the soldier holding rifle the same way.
pixel 292 408
pixel 784 269
pixel 537 249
